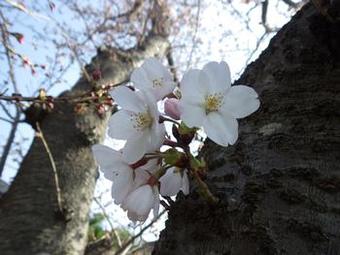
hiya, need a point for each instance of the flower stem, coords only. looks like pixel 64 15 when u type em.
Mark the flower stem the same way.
pixel 171 143
pixel 163 118
pixel 203 189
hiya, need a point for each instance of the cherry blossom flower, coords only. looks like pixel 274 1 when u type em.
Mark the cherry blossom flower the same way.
pixel 173 181
pixel 140 202
pixel 171 108
pixel 137 122
pixel 209 101
pixel 125 178
pixel 153 77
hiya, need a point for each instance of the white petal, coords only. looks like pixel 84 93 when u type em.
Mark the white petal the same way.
pixel 156 201
pixel 141 200
pixel 219 76
pixel 108 160
pixel 165 89
pixel 157 136
pixel 105 156
pixel 169 85
pixel 152 69
pixel 240 101
pixel 135 217
pixel 223 130
pixel 151 102
pixel 141 178
pixel 151 166
pixel 135 147
pixel 157 132
pixel 185 183
pixel 121 125
pixel 140 79
pixel 192 115
pixel 155 69
pixel 171 182
pixel 193 87
pixel 127 99
pixel 122 185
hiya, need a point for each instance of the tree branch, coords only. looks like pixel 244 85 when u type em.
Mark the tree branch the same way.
pixel 53 165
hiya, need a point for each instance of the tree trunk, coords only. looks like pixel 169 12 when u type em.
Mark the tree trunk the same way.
pixel 29 218
pixel 279 185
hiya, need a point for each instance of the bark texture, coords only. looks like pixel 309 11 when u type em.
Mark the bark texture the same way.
pixel 29 222
pixel 279 185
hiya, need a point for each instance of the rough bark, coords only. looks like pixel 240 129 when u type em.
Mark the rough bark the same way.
pixel 279 185
pixel 29 222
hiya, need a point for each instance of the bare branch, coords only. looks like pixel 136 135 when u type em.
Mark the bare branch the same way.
pixel 195 33
pixel 171 63
pixel 53 165
pixel 6 111
pixel 113 230
pixel 84 97
pixel 290 3
pixel 132 239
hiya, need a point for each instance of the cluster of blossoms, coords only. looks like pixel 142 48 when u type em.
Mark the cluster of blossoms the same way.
pixel 141 172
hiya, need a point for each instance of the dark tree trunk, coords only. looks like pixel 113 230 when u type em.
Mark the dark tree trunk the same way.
pixel 29 223
pixel 279 186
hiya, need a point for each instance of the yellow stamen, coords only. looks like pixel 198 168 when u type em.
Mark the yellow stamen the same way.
pixel 142 120
pixel 157 83
pixel 213 102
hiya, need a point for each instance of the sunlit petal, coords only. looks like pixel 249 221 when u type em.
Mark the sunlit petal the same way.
pixel 219 76
pixel 221 129
pixel 240 101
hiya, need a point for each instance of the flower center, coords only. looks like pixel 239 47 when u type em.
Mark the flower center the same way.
pixel 156 83
pixel 213 102
pixel 142 120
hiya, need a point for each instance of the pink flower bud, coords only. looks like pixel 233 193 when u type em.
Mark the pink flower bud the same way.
pixel 171 108
pixel 26 62
pixel 19 37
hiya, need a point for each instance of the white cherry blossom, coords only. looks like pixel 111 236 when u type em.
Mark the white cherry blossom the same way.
pixel 153 77
pixel 209 101
pixel 173 181
pixel 140 202
pixel 124 177
pixel 137 122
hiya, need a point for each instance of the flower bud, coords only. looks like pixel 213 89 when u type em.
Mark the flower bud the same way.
pixel 19 37
pixel 171 108
pixel 100 109
pixel 96 75
pixel 175 158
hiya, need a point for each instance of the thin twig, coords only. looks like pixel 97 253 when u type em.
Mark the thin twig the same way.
pixel 6 111
pixel 54 168
pixel 291 4
pixel 144 27
pixel 5 41
pixel 21 7
pixel 6 120
pixel 171 63
pixel 195 33
pixel 132 239
pixel 113 230
pixel 11 137
pixel 83 97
